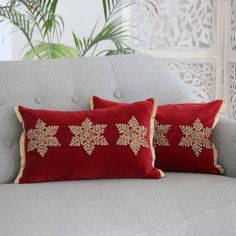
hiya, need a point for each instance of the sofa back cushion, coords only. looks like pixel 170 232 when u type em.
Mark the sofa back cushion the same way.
pixel 68 84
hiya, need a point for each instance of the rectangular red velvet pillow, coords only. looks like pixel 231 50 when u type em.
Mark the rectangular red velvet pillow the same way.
pixel 183 135
pixel 114 142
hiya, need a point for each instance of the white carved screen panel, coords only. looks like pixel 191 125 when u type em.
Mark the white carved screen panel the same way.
pixel 232 89
pixel 233 24
pixel 191 35
pixel 180 24
pixel 230 58
pixel 199 75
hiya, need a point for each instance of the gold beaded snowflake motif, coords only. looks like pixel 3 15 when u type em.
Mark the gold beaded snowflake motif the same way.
pixel 160 132
pixel 88 135
pixel 196 137
pixel 42 137
pixel 132 134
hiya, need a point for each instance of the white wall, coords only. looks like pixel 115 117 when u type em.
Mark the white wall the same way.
pixel 5 43
pixel 78 15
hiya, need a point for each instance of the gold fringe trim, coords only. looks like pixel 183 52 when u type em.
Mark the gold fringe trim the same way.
pixel 216 165
pixel 152 121
pixel 161 172
pixel 215 154
pixel 219 113
pixel 91 104
pixel 22 146
pixel 152 130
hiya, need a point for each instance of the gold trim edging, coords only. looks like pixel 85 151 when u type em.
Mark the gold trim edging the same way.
pixel 152 131
pixel 215 154
pixel 91 104
pixel 22 146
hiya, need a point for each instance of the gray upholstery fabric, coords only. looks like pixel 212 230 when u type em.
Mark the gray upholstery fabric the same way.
pixel 139 77
pixel 225 141
pixel 179 204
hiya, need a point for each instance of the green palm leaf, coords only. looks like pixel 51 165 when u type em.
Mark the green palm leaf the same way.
pixel 120 50
pixel 114 29
pixel 50 50
pixel 19 20
pixel 42 13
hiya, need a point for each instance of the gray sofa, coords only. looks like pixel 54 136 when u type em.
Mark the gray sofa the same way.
pixel 179 204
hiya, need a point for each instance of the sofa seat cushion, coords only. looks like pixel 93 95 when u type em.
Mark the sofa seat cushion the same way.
pixel 180 204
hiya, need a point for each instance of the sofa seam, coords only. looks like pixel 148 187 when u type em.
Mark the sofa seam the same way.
pixel 115 77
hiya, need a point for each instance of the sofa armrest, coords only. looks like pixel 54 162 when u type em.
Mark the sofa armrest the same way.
pixel 224 136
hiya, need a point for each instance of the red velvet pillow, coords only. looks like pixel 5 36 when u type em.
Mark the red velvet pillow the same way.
pixel 108 143
pixel 183 135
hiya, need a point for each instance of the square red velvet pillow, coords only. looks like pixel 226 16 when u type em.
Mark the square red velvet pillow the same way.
pixel 114 142
pixel 183 135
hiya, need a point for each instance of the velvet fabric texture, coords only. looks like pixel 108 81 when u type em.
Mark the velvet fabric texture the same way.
pixel 183 135
pixel 113 142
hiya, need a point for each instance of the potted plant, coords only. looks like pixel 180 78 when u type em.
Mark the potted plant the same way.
pixel 43 28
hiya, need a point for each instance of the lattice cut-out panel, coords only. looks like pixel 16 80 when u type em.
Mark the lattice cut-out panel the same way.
pixel 233 25
pixel 199 75
pixel 232 89
pixel 180 24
